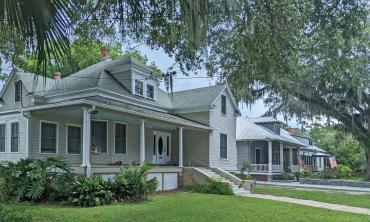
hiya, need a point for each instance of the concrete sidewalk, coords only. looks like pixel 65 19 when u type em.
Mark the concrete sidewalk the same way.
pixel 312 203
pixel 297 184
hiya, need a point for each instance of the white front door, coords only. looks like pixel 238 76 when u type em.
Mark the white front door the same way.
pixel 162 149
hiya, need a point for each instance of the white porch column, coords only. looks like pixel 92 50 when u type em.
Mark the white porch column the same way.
pixel 86 141
pixel 270 156
pixel 181 147
pixel 142 141
pixel 282 157
pixel 291 157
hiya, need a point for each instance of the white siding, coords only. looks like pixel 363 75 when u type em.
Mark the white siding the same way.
pixel 23 138
pixel 243 153
pixel 225 124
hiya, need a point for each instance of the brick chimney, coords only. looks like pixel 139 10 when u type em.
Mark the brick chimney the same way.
pixel 57 75
pixel 104 53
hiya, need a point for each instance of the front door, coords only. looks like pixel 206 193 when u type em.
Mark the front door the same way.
pixel 162 149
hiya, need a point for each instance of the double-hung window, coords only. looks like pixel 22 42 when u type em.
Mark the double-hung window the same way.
pixel 223 146
pixel 223 104
pixel 120 138
pixel 49 137
pixel 2 137
pixel 14 142
pixel 149 91
pixel 99 135
pixel 139 87
pixel 17 91
pixel 74 139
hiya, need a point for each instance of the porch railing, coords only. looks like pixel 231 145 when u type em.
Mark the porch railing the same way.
pixel 294 168
pixel 265 168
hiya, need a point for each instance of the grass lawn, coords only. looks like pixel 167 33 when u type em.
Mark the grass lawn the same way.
pixel 189 207
pixel 357 199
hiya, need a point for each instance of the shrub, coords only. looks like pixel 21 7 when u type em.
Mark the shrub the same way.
pixel 284 176
pixel 11 215
pixel 130 183
pixel 89 192
pixel 36 180
pixel 215 186
pixel 344 171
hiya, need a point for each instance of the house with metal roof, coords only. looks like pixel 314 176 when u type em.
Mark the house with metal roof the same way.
pixel 270 149
pixel 113 113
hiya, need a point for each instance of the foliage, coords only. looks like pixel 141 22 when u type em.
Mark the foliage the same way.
pixel 13 215
pixel 247 166
pixel 342 145
pixel 36 180
pixel 215 186
pixel 284 176
pixel 344 171
pixel 130 183
pixel 89 192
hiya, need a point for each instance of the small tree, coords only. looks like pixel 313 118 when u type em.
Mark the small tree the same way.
pixel 247 166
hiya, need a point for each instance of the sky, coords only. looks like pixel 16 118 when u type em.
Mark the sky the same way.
pixel 181 82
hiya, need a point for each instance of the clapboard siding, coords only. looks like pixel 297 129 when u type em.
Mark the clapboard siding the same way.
pixel 200 117
pixel 9 96
pixel 243 151
pixel 225 124
pixel 23 138
pixel 196 148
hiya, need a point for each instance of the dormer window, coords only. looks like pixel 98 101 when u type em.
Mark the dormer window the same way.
pixel 17 91
pixel 223 104
pixel 149 91
pixel 139 87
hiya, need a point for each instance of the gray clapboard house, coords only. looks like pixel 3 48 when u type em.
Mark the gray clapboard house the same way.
pixel 270 149
pixel 114 113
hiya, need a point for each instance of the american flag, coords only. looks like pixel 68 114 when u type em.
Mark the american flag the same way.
pixel 332 162
pixel 300 161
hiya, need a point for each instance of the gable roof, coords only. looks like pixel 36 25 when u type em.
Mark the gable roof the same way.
pixel 264 119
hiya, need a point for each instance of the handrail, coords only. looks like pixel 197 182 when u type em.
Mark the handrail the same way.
pixel 196 160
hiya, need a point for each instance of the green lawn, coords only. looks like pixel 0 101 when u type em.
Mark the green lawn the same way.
pixel 189 207
pixel 358 199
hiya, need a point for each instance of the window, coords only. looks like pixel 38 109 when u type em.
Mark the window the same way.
pixel 120 139
pixel 168 146
pixel 223 146
pixel 14 137
pixel 17 91
pixel 223 104
pixel 48 137
pixel 2 137
pixel 74 139
pixel 139 87
pixel 149 91
pixel 99 135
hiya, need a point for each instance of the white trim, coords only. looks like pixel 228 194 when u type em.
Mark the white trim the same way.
pixel 11 75
pixel 114 140
pixel 146 91
pixel 10 135
pixel 227 141
pixel 230 95
pixel 21 91
pixel 134 87
pixel 107 124
pixel 5 136
pixel 57 136
pixel 73 125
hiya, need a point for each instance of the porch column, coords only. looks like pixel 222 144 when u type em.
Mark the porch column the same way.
pixel 142 141
pixel 282 157
pixel 181 147
pixel 291 157
pixel 86 142
pixel 270 156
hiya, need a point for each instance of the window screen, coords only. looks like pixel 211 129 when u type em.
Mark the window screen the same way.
pixel 120 141
pixel 2 137
pixel 223 146
pixel 48 137
pixel 17 91
pixel 74 140
pixel 150 91
pixel 99 135
pixel 223 104
pixel 139 86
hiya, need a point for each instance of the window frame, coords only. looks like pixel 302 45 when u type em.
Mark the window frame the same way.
pixel 146 91
pixel 107 132
pixel 143 86
pixel 56 136
pixel 114 132
pixel 5 134
pixel 18 83
pixel 67 139
pixel 223 106
pixel 11 137
pixel 221 135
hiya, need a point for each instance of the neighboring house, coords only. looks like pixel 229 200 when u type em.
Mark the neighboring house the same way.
pixel 315 158
pixel 113 112
pixel 270 149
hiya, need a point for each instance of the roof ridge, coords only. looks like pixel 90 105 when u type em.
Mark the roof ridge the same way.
pixel 205 87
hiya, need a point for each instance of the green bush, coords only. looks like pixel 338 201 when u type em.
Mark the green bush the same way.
pixel 215 186
pixel 344 171
pixel 130 183
pixel 284 176
pixel 11 215
pixel 36 180
pixel 89 192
